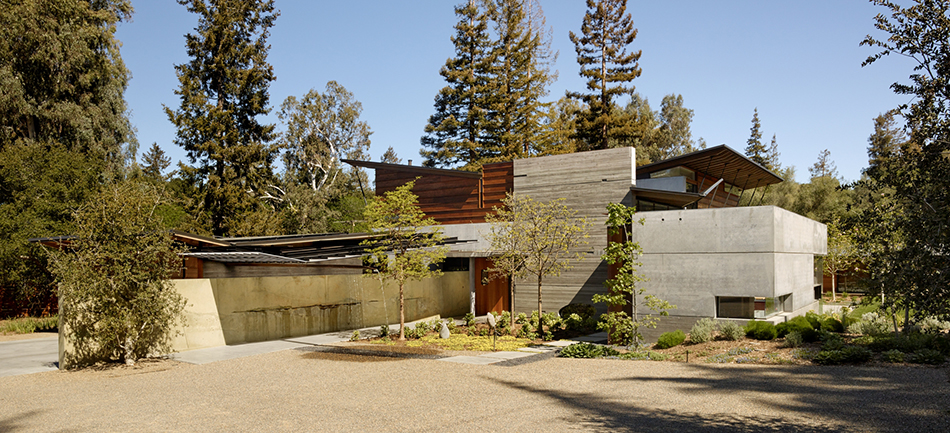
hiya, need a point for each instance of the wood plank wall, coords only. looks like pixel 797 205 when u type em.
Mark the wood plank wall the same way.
pixel 587 181
pixel 453 199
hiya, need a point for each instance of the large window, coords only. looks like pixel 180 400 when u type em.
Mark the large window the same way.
pixel 749 307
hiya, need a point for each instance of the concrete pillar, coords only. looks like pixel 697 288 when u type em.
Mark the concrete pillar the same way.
pixel 471 284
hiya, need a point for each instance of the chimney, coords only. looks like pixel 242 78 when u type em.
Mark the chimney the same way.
pixel 410 162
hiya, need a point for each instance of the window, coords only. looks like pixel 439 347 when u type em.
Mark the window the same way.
pixel 735 307
pixel 674 172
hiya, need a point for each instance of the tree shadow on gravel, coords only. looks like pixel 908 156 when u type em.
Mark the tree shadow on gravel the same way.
pixel 18 422
pixel 596 413
pixel 864 398
pixel 829 398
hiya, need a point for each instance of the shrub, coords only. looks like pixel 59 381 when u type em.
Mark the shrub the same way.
pixel 870 324
pixel 760 330
pixel 585 311
pixel 551 320
pixel 798 323
pixel 793 339
pixel 831 324
pixel 384 330
pixel 845 355
pixel 670 339
pixel 469 319
pixel 355 336
pixel 504 322
pixel 729 330
pixel 586 350
pixel 574 322
pixel 893 356
pixel 927 356
pixel 814 319
pixel 521 319
pixel 450 323
pixel 527 331
pixel 931 324
pixel 702 331
pixel 831 342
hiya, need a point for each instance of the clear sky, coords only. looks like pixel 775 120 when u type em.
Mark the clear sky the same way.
pixel 798 62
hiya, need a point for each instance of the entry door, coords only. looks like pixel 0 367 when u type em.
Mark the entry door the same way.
pixel 489 295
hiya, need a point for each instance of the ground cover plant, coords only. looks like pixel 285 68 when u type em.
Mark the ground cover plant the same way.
pixel 28 325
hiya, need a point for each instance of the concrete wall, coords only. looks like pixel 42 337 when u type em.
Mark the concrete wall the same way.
pixel 243 310
pixel 692 256
pixel 587 181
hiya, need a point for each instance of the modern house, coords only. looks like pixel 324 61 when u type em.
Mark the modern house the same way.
pixel 702 251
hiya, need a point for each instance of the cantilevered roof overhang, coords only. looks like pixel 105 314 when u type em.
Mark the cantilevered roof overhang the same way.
pixel 414 169
pixel 672 198
pixel 721 162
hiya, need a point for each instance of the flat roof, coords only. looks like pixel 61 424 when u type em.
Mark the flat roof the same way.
pixel 414 169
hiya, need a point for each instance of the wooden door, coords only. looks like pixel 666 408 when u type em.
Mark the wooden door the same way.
pixel 490 295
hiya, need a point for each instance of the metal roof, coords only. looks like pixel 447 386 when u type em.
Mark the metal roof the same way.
pixel 720 162
pixel 242 257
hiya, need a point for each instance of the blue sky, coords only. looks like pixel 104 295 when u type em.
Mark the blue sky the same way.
pixel 798 62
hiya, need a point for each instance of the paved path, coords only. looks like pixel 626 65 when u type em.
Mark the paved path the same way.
pixel 28 356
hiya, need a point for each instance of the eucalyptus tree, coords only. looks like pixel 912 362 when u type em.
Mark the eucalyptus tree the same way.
pixel 223 90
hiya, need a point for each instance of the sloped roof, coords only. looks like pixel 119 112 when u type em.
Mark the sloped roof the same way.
pixel 720 162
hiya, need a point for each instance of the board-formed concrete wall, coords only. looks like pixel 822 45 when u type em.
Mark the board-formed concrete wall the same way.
pixel 243 310
pixel 587 181
pixel 692 256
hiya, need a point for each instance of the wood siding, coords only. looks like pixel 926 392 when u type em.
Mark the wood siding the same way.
pixel 716 198
pixel 453 199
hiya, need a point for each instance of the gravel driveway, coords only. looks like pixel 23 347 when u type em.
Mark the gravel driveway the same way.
pixel 303 390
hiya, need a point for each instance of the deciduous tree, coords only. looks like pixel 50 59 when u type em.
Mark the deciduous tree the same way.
pixel 622 288
pixel 408 247
pixel 537 239
pixel 916 268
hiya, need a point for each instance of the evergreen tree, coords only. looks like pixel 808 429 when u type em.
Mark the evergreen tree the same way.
pixel 885 142
pixel 224 88
pixel 558 128
pixel 824 167
pixel 771 156
pixel 155 163
pixel 521 70
pixel 390 157
pixel 63 127
pixel 755 150
pixel 456 133
pixel 607 31
pixel 675 137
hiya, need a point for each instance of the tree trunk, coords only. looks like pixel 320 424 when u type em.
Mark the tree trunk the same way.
pixel 402 313
pixel 834 282
pixel 539 330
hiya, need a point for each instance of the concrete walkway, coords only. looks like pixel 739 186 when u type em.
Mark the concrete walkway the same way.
pixel 29 356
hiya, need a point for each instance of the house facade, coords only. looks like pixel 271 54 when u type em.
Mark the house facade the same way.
pixel 702 251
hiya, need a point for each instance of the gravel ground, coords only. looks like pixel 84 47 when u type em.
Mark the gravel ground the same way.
pixel 304 390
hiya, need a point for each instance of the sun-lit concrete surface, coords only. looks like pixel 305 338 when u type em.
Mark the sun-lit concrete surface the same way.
pixel 28 356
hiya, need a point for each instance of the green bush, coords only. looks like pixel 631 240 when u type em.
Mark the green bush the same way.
pixel 797 323
pixel 793 339
pixel 927 356
pixel 845 355
pixel 814 319
pixel 551 320
pixel 760 330
pixel 384 330
pixel 521 319
pixel 586 350
pixel 585 311
pixel 731 331
pixel 28 325
pixel 893 356
pixel 831 342
pixel 702 331
pixel 469 319
pixel 831 324
pixel 573 322
pixel 355 336
pixel 870 324
pixel 670 339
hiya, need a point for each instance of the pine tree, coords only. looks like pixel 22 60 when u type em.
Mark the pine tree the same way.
pixel 456 133
pixel 824 167
pixel 771 156
pixel 390 157
pixel 607 31
pixel 755 150
pixel 224 88
pixel 155 163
